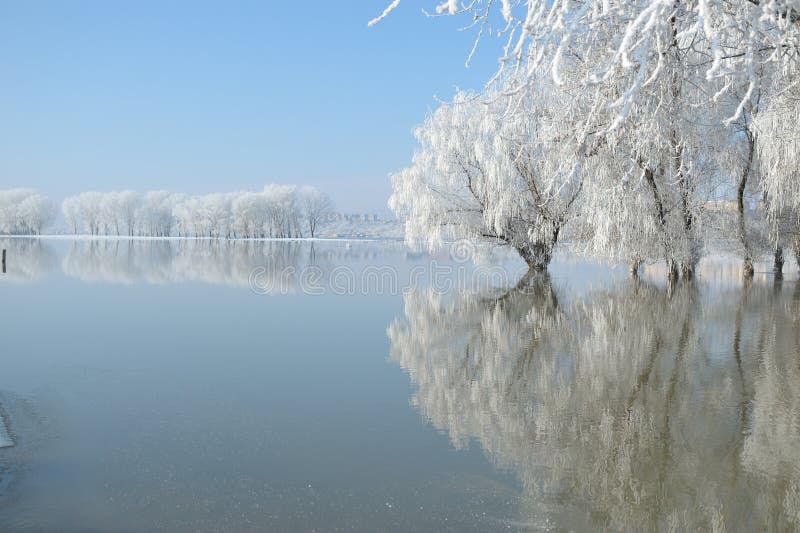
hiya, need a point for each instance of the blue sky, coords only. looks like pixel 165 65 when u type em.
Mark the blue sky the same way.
pixel 212 96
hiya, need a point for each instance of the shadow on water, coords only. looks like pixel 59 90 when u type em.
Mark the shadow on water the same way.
pixel 636 407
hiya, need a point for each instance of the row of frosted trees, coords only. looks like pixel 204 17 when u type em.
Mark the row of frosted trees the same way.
pixel 24 212
pixel 278 211
pixel 642 130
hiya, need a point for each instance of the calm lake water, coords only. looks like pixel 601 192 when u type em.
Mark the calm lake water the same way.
pixel 290 386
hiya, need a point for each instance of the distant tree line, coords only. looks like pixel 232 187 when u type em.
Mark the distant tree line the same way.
pixel 278 211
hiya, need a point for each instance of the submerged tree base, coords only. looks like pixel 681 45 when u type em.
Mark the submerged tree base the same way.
pixel 777 266
pixel 748 269
pixel 634 268
pixel 537 256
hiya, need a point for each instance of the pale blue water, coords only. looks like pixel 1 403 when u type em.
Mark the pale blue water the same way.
pixel 150 385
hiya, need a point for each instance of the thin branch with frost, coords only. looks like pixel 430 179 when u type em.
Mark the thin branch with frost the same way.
pixel 391 7
pixel 615 38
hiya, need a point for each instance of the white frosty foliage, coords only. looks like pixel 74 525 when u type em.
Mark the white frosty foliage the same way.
pixel 675 118
pixel 24 211
pixel 623 45
pixel 487 171
pixel 277 211
pixel 778 131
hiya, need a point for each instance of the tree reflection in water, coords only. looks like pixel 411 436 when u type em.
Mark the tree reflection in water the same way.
pixel 28 259
pixel 223 262
pixel 275 266
pixel 632 408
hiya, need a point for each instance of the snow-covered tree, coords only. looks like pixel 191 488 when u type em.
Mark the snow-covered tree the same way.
pixel 84 211
pixel 654 172
pixel 283 214
pixel 128 203
pixel 777 135
pixel 249 211
pixel 156 215
pixel 496 169
pixel 24 212
pixel 104 213
pixel 316 207
pixel 71 211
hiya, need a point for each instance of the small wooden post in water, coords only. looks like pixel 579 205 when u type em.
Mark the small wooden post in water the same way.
pixel 4 260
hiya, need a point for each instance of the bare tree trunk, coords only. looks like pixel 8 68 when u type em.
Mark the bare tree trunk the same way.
pixel 634 267
pixel 672 266
pixel 747 268
pixel 686 190
pixel 797 250
pixel 537 256
pixel 747 251
pixel 778 265
pixel 688 264
pixel 672 269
